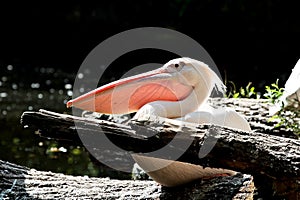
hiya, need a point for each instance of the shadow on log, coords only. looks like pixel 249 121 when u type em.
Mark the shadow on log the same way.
pixel 272 160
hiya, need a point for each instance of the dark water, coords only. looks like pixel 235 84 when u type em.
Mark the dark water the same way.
pixel 30 90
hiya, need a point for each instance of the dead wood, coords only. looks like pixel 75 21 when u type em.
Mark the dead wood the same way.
pixel 17 182
pixel 274 161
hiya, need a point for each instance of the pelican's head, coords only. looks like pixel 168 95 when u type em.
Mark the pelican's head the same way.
pixel 174 81
pixel 192 72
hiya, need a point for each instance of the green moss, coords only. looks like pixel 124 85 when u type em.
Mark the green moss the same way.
pixel 287 116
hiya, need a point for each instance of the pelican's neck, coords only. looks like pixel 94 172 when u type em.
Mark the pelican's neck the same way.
pixel 202 89
pixel 205 85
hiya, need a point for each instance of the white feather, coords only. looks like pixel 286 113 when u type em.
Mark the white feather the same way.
pixel 291 90
pixel 292 85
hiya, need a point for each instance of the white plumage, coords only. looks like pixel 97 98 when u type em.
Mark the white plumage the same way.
pixel 291 91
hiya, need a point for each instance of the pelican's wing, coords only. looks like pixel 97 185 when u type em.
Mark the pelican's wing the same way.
pixel 173 173
pixel 291 91
pixel 292 85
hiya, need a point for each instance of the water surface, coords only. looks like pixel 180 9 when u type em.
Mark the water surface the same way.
pixel 30 90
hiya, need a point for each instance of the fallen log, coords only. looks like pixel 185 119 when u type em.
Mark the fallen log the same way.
pixel 18 182
pixel 272 160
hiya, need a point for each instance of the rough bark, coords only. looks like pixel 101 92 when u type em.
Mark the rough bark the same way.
pixel 17 182
pixel 273 161
pixel 256 111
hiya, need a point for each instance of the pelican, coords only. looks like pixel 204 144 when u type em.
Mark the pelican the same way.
pixel 291 91
pixel 178 90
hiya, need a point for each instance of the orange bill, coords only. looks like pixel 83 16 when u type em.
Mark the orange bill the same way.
pixel 130 94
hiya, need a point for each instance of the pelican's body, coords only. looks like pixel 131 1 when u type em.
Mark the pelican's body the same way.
pixel 178 90
pixel 292 85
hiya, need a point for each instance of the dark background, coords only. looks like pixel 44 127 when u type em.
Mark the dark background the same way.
pixel 255 41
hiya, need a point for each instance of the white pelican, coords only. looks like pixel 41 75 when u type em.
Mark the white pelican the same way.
pixel 291 91
pixel 177 90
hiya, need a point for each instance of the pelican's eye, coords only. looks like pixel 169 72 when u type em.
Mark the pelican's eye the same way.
pixel 179 66
pixel 175 67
